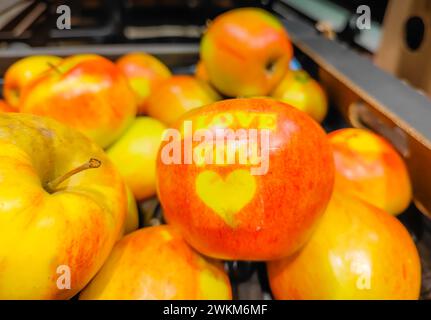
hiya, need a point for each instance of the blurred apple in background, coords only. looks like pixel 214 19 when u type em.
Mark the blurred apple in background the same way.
pixel 21 73
pixel 177 95
pixel 301 91
pixel 370 168
pixel 156 263
pixel 135 154
pixel 5 107
pixel 59 210
pixel 86 92
pixel 144 73
pixel 357 252
pixel 246 52
pixel 201 72
pixel 261 208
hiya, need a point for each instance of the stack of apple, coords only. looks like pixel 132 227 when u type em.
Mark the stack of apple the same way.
pixel 82 139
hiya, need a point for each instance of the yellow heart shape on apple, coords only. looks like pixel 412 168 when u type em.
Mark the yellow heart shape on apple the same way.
pixel 226 196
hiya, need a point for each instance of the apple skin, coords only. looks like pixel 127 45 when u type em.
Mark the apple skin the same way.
pixel 301 91
pixel 144 73
pixel 370 168
pixel 201 72
pixel 135 155
pixel 132 219
pixel 357 252
pixel 5 107
pixel 156 263
pixel 86 92
pixel 22 72
pixel 177 95
pixel 76 225
pixel 246 52
pixel 263 217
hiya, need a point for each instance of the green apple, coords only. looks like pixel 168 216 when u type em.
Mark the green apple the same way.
pixel 135 155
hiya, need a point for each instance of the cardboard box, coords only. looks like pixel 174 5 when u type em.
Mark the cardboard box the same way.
pixel 405 48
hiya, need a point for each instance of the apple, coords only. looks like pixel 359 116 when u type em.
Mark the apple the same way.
pixel 86 92
pixel 22 72
pixel 370 168
pixel 201 72
pixel 177 95
pixel 132 218
pixel 60 212
pixel 5 107
pixel 144 73
pixel 263 203
pixel 301 91
pixel 135 155
pixel 156 263
pixel 246 52
pixel 357 252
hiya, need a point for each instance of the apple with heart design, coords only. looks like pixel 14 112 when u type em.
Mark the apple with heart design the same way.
pixel 156 263
pixel 369 167
pixel 86 92
pixel 245 52
pixel 22 72
pixel 257 196
pixel 58 210
pixel 235 191
pixel 144 73
pixel 357 252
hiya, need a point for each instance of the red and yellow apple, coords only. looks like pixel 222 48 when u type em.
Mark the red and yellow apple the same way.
pixel 58 221
pixel 357 252
pixel 264 202
pixel 132 218
pixel 144 73
pixel 86 92
pixel 135 155
pixel 301 91
pixel 22 72
pixel 156 263
pixel 370 168
pixel 246 52
pixel 5 107
pixel 177 95
pixel 201 72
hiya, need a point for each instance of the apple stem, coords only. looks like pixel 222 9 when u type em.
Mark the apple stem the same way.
pixel 54 67
pixel 91 164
